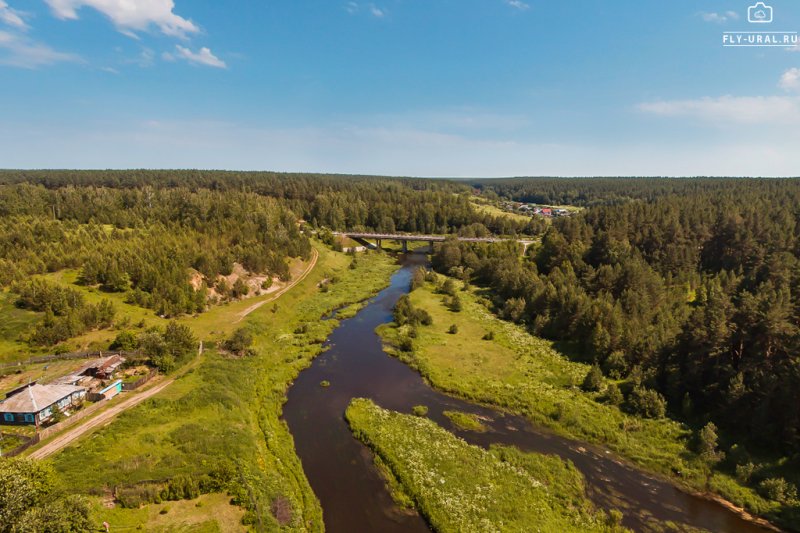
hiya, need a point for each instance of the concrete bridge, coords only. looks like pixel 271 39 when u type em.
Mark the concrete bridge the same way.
pixel 364 238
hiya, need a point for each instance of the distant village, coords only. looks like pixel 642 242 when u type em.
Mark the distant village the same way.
pixel 535 209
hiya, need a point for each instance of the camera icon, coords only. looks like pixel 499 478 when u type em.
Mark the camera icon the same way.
pixel 760 13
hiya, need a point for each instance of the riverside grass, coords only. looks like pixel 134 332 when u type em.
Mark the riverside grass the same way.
pixel 226 412
pixel 526 375
pixel 463 488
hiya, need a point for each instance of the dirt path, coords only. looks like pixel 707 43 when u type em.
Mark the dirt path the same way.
pixel 277 294
pixel 70 435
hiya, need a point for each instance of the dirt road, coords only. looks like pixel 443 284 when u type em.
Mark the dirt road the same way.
pixel 72 434
pixel 277 294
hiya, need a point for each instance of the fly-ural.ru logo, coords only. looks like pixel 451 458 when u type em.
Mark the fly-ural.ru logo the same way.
pixel 761 16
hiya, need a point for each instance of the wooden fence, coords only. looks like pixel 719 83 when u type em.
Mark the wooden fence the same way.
pixel 67 356
pixel 31 441
pixel 127 387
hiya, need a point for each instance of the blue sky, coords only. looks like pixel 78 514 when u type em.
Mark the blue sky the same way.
pixel 400 87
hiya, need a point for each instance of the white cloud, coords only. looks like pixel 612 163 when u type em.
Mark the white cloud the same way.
pixel 23 52
pixel 730 109
pixel 201 57
pixel 720 18
pixel 10 16
pixel 518 4
pixel 354 8
pixel 790 81
pixel 130 16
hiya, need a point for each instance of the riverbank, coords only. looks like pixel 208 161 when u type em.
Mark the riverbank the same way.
pixel 497 363
pixel 222 420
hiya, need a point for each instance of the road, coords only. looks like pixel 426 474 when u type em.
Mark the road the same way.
pixel 72 434
pixel 275 295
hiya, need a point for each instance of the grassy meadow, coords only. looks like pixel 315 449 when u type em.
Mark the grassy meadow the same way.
pixel 458 487
pixel 15 322
pixel 223 415
pixel 526 375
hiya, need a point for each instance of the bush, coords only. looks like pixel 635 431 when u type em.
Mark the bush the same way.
pixel 406 344
pixel 647 403
pixel 778 489
pixel 489 336
pixel 419 410
pixel 453 329
pixel 239 342
pixel 124 341
pixel 615 365
pixel 707 440
pixel 614 395
pixel 449 287
pixel 418 278
pixel 744 473
pixel 593 381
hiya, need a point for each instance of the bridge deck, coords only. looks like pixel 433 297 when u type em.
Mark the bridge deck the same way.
pixel 424 238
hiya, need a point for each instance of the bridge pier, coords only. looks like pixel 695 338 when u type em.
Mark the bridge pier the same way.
pixel 405 246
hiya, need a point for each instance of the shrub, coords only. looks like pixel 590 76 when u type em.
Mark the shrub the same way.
pixel 239 342
pixel 647 403
pixel 489 336
pixel 449 287
pixel 124 341
pixel 707 440
pixel 418 278
pixel 778 489
pixel 419 410
pixel 593 381
pixel 453 329
pixel 744 473
pixel 614 395
pixel 615 365
pixel 406 344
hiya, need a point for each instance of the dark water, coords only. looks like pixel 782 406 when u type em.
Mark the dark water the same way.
pixel 352 493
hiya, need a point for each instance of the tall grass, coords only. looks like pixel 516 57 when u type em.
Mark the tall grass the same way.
pixel 463 488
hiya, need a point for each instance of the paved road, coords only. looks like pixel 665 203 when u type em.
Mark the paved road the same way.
pixel 425 238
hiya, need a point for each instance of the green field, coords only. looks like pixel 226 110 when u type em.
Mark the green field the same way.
pixel 14 324
pixel 491 209
pixel 526 375
pixel 458 487
pixel 224 414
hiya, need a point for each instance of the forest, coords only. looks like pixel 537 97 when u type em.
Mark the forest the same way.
pixel 683 292
pixel 687 290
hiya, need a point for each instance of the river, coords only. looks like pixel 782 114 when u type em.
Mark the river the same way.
pixel 353 495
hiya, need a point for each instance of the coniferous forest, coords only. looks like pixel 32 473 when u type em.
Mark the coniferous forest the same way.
pixel 684 291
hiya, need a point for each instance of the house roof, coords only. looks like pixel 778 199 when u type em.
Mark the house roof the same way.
pixel 37 397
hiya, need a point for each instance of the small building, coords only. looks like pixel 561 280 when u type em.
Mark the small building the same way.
pixel 36 403
pixel 109 366
pixel 547 212
pixel 107 392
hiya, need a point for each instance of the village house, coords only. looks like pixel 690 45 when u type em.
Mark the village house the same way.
pixel 34 404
